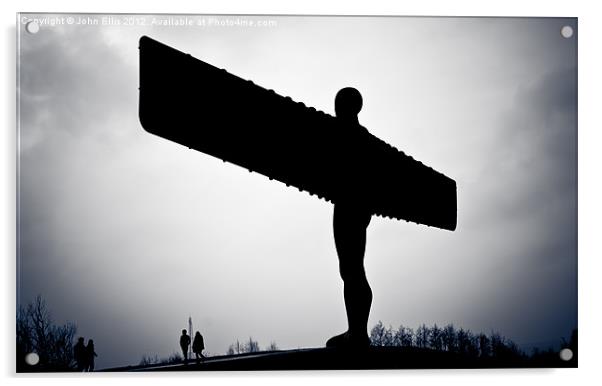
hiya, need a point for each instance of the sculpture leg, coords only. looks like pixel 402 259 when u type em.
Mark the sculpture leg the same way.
pixel 358 301
pixel 350 240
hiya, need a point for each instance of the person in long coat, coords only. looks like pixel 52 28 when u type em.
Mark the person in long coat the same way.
pixel 198 345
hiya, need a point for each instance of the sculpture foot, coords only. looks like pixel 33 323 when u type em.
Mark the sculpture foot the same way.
pixel 348 340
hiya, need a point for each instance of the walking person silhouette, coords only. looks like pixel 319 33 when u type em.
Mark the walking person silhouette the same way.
pixel 198 345
pixel 79 354
pixel 184 343
pixel 90 354
pixel 350 220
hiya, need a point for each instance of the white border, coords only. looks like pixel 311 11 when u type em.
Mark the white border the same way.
pixel 590 323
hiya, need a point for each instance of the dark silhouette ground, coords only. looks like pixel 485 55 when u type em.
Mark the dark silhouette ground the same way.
pixel 374 358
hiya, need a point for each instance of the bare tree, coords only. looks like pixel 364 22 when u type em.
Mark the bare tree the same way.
pixel 377 333
pixel 473 345
pixel 422 336
pixel 147 360
pixel 484 346
pixel 238 348
pixel 36 332
pixel 503 348
pixel 462 341
pixel 403 337
pixel 252 345
pixel 235 348
pixel 173 358
pixel 436 338
pixel 381 336
pixel 497 344
pixel 272 347
pixel 449 338
pixel 25 343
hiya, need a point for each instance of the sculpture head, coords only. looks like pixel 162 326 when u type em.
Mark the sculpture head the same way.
pixel 348 103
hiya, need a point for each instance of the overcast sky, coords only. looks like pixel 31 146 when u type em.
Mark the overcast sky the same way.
pixel 127 234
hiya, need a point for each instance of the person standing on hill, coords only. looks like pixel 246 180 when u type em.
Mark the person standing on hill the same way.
pixel 198 346
pixel 90 354
pixel 79 354
pixel 184 344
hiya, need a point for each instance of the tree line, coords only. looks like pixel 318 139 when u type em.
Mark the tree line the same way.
pixel 450 339
pixel 249 346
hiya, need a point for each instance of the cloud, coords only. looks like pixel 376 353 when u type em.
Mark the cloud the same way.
pixel 532 160
pixel 72 84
